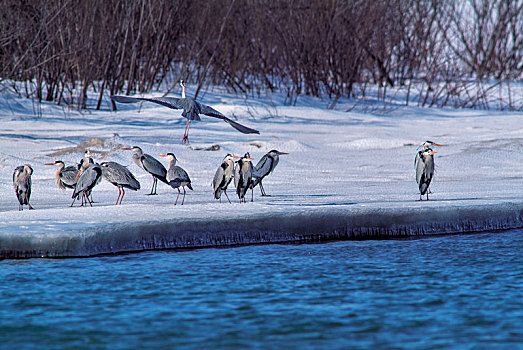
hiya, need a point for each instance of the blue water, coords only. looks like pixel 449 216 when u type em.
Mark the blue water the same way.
pixel 457 291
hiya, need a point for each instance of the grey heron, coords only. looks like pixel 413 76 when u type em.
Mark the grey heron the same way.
pixel 177 176
pixel 425 171
pixel 87 179
pixel 424 146
pixel 119 176
pixel 65 177
pixel 22 185
pixel 243 176
pixel 149 164
pixel 85 162
pixel 223 177
pixel 264 167
pixel 191 110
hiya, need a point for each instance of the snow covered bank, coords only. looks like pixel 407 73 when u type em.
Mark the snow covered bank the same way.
pixel 329 222
pixel 347 174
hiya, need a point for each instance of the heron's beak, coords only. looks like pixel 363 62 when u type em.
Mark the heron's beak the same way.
pixel 78 175
pixel 89 154
pixel 437 144
pixel 49 164
pixel 281 153
pixel 250 159
pixel 433 152
pixel 163 155
pixel 126 148
pixel 235 157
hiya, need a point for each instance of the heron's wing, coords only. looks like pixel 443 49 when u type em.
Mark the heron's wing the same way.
pixel 219 177
pixel 419 166
pixel 263 167
pixel 153 166
pixel 87 179
pixel 236 174
pixel 170 102
pixel 68 175
pixel 211 112
pixel 120 175
pixel 17 172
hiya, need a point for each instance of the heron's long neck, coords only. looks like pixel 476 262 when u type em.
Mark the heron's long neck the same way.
pixel 172 163
pixel 183 90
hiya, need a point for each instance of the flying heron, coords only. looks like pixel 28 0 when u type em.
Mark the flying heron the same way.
pixel 177 176
pixel 243 176
pixel 149 164
pixel 191 110
pixel 119 176
pixel 65 177
pixel 425 171
pixel 264 167
pixel 87 179
pixel 22 184
pixel 223 177
pixel 423 147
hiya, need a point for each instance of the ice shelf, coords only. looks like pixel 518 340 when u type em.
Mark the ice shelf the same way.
pixel 298 225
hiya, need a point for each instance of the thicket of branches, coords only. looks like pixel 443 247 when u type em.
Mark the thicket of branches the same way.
pixel 441 51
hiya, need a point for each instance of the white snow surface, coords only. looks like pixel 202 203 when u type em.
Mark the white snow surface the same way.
pixel 347 174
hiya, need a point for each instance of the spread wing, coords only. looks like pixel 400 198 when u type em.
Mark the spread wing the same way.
pixel 170 102
pixel 211 112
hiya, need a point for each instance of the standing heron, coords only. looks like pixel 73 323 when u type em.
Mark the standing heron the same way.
pixel 243 176
pixel 65 177
pixel 423 147
pixel 22 184
pixel 119 176
pixel 149 164
pixel 425 171
pixel 191 110
pixel 85 162
pixel 177 176
pixel 223 177
pixel 87 179
pixel 264 167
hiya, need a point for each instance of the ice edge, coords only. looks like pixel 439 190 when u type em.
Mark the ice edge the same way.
pixel 336 223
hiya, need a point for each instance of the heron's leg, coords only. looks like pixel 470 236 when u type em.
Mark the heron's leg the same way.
pixel 88 200
pixel 30 207
pixel 20 207
pixel 186 133
pixel 118 198
pixel 123 193
pixel 263 191
pixel 153 191
pixel 176 201
pixel 427 195
pixel 74 199
pixel 183 199
pixel 252 194
pixel 226 196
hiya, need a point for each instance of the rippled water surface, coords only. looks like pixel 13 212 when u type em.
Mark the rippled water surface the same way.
pixel 458 291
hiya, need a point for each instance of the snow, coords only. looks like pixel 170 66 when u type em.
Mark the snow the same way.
pixel 347 174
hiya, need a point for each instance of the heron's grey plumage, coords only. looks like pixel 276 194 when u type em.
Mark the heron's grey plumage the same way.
pixel 151 165
pixel 86 181
pixel 243 171
pixel 264 167
pixel 65 177
pixel 22 185
pixel 119 176
pixel 417 158
pixel 191 109
pixel 177 177
pixel 223 177
pixel 424 170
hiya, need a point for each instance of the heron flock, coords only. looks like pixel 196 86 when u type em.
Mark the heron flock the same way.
pixel 87 174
